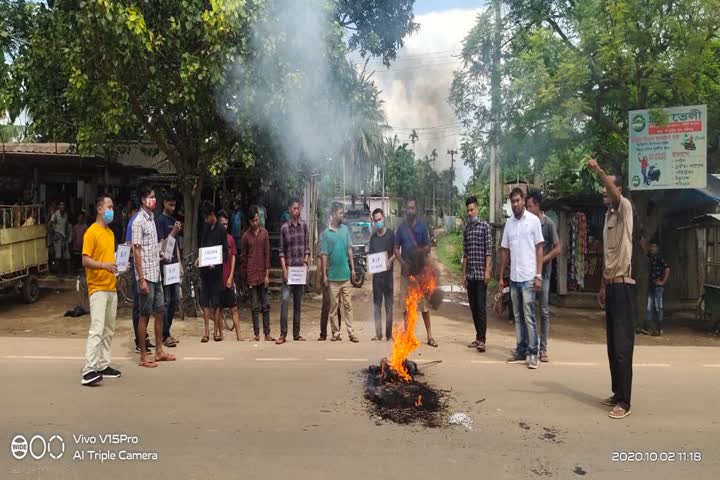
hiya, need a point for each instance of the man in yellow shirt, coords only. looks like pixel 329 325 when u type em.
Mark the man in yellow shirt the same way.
pixel 98 258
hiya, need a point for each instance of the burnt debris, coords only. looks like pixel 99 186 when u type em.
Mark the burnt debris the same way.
pixel 392 398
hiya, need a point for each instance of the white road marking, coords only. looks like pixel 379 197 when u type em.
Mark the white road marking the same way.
pixel 575 364
pixel 651 365
pixel 48 357
pixel 268 359
pixel 487 362
pixel 346 360
pixel 712 365
pixel 202 359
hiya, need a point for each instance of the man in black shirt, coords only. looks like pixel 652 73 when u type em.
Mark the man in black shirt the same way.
pixel 167 226
pixel 211 277
pixel 383 240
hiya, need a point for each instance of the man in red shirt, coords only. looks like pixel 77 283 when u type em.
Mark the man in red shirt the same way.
pixel 256 260
pixel 229 299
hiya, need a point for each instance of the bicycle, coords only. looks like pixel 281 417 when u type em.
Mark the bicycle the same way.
pixel 190 288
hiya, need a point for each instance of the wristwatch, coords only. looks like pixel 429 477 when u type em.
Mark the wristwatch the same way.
pixel 538 276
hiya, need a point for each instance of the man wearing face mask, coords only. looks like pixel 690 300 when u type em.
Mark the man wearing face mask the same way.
pixel 146 255
pixel 383 240
pixel 98 258
pixel 477 269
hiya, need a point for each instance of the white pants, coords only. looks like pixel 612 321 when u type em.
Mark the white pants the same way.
pixel 103 309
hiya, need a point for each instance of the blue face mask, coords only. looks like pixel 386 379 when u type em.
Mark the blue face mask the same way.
pixel 380 225
pixel 474 219
pixel 108 216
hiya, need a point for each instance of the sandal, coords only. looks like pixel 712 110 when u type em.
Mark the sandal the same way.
pixel 168 342
pixel 618 412
pixel 269 338
pixel 148 364
pixel 205 339
pixel 166 357
pixel 280 341
pixel 376 339
pixel 474 344
pixel 256 338
pixel 299 339
pixel 218 338
pixel 432 342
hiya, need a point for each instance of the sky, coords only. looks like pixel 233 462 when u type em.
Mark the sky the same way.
pixel 416 87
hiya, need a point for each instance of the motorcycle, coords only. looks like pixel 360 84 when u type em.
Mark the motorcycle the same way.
pixel 360 261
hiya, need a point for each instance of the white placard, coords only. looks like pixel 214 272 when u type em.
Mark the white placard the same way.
pixel 169 248
pixel 172 274
pixel 211 256
pixel 122 258
pixel 377 262
pixel 297 275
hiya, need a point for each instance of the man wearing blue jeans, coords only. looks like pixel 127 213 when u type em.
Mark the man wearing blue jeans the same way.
pixel 659 274
pixel 551 249
pixel 523 239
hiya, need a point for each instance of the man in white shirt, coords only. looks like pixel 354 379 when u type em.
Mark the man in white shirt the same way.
pixel 523 239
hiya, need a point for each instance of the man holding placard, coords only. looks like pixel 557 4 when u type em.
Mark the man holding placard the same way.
pixel 146 253
pixel 168 229
pixel 98 258
pixel 294 255
pixel 213 251
pixel 256 262
pixel 380 263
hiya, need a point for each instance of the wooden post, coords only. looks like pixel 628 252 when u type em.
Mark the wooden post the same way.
pixel 562 259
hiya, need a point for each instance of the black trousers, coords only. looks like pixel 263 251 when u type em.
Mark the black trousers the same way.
pixel 477 296
pixel 260 304
pixel 619 312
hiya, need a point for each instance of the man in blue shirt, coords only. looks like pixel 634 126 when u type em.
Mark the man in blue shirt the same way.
pixel 412 247
pixel 167 226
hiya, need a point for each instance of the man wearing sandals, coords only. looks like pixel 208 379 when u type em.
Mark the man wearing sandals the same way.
pixel 256 261
pixel 617 291
pixel 338 269
pixel 98 258
pixel 294 252
pixel 211 277
pixel 146 253
pixel 412 247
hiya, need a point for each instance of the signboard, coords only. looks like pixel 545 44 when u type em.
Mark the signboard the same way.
pixel 211 256
pixel 297 275
pixel 377 262
pixel 122 258
pixel 171 274
pixel 668 154
pixel 169 248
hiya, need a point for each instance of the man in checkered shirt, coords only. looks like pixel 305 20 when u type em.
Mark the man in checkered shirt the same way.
pixel 146 254
pixel 477 269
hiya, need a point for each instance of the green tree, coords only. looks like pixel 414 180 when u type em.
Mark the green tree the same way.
pixel 403 176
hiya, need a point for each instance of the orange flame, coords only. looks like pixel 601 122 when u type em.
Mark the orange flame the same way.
pixel 404 340
pixel 418 402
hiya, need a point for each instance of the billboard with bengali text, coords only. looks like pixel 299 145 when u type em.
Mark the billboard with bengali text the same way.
pixel 670 153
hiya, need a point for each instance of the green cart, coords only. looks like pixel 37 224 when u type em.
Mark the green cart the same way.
pixel 23 250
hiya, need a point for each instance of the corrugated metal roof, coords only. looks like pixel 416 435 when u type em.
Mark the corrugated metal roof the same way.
pixel 40 148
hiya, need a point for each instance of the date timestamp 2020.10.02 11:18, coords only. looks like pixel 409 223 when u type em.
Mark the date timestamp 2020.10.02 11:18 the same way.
pixel 657 456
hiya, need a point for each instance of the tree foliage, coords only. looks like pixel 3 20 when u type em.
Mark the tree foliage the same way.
pixel 572 70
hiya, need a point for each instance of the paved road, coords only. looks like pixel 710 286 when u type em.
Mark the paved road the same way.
pixel 255 410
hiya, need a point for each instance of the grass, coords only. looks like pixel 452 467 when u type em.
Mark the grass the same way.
pixel 449 252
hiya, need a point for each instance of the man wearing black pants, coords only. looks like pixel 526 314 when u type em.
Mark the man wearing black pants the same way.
pixel 477 269
pixel 617 291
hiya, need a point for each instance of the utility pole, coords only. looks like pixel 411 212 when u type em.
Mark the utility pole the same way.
pixel 496 192
pixel 452 154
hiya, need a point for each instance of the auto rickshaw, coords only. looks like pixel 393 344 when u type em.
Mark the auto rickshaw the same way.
pixel 23 250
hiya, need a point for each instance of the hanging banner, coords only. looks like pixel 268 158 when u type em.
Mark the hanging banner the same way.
pixel 668 154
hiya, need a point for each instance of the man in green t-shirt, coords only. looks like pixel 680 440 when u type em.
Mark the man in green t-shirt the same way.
pixel 338 267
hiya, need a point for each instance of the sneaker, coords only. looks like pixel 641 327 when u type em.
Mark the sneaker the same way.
pixel 147 347
pixel 322 338
pixel 376 338
pixel 91 378
pixel 149 344
pixel 532 361
pixel 641 331
pixel 336 338
pixel 354 340
pixel 515 358
pixel 657 333
pixel 111 373
pixel 481 347
pixel 544 356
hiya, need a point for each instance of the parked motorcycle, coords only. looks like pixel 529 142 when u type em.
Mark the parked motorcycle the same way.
pixel 360 261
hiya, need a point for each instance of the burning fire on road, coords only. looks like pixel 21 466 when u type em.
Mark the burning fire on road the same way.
pixel 392 388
